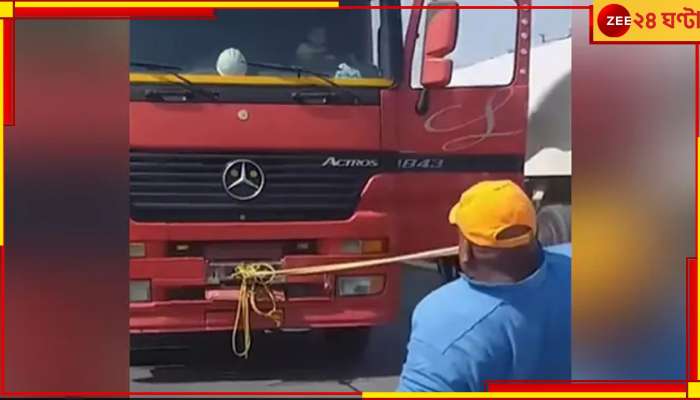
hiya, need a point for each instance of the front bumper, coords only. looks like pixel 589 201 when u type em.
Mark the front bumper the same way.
pixel 217 310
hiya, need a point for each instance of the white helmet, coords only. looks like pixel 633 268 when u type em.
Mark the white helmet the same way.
pixel 231 62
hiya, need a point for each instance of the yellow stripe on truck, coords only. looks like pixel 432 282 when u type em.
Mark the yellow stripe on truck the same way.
pixel 140 77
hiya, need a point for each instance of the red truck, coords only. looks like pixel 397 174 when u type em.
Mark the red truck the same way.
pixel 277 156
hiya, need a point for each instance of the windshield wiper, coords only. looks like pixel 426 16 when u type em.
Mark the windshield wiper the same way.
pixel 301 70
pixel 175 71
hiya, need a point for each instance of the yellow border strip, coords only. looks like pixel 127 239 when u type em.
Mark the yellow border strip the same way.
pixel 6 9
pixel 176 4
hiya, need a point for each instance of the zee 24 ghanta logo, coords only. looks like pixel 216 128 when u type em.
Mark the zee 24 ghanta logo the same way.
pixel 614 20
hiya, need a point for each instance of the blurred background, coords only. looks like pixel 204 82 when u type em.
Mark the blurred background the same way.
pixel 634 214
pixel 66 205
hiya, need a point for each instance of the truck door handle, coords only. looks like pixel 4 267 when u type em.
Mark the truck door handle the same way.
pixel 171 96
pixel 321 97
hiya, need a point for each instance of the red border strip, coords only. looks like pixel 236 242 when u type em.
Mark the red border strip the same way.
pixel 447 7
pixel 9 72
pixel 548 381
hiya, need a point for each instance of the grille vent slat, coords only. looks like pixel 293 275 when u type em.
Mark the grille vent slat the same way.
pixel 187 187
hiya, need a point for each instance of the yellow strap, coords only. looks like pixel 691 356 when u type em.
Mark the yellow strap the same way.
pixel 252 277
pixel 256 278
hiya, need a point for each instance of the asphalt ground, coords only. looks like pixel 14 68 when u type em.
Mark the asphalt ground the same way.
pixel 283 361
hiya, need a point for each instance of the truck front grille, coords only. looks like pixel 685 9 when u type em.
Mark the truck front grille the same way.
pixel 188 187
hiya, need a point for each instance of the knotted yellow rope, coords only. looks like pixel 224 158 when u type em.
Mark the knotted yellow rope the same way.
pixel 252 277
pixel 256 278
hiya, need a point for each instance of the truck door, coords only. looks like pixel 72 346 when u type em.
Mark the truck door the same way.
pixel 461 111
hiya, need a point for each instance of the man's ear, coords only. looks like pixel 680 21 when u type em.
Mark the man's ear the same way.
pixel 463 251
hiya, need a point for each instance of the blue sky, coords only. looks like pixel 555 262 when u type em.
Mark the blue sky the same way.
pixel 552 23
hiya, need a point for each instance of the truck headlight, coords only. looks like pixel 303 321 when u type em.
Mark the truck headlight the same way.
pixel 137 250
pixel 139 291
pixel 374 246
pixel 359 285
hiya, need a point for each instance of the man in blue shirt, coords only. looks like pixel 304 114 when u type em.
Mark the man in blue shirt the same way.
pixel 508 316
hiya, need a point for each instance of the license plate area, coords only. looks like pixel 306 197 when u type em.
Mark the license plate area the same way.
pixel 224 319
pixel 220 273
pixel 262 299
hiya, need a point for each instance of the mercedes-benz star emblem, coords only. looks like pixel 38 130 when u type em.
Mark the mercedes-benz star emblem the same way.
pixel 243 179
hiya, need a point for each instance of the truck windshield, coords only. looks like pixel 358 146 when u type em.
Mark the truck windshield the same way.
pixel 336 43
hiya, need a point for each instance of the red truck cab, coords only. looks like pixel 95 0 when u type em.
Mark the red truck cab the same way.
pixel 256 138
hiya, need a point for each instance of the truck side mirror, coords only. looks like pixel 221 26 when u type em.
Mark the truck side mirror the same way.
pixel 440 40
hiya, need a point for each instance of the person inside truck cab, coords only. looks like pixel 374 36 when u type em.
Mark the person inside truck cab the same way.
pixel 313 52
pixel 507 316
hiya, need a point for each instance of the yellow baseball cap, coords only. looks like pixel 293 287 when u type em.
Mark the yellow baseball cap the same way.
pixel 488 208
